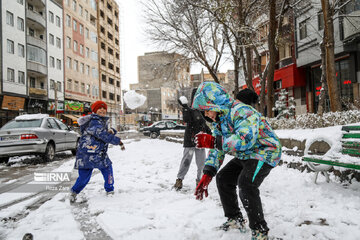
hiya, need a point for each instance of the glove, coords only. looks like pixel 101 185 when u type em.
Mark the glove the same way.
pixel 122 146
pixel 111 131
pixel 204 140
pixel 202 187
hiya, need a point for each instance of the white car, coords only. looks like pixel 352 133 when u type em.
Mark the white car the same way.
pixel 36 134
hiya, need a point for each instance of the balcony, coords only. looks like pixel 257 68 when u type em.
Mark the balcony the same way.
pixel 351 24
pixel 38 92
pixel 37 68
pixel 36 18
pixel 36 41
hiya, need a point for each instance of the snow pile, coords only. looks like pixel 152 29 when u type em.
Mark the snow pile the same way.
pixel 133 99
pixel 26 117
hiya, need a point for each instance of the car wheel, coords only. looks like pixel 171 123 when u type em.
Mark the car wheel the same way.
pixel 153 135
pixel 4 159
pixel 49 154
pixel 76 147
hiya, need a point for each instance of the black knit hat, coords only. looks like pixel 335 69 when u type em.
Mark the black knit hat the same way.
pixel 247 96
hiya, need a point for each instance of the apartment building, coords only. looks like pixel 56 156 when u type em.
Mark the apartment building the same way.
pixel 163 78
pixel 80 56
pixel 23 58
pixel 109 54
pixel 55 53
pixel 309 27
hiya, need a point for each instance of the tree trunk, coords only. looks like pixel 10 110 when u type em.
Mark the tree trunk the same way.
pixel 273 55
pixel 249 68
pixel 328 13
pixel 323 91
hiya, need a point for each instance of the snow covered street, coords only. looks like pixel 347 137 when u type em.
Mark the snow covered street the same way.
pixel 145 206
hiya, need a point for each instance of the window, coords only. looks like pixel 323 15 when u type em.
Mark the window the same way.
pixel 51 39
pixel 20 24
pixel 82 68
pixel 93 37
pixel 59 87
pixel 32 82
pixel 68 42
pixel 52 84
pixel 111 81
pixel 94 55
pixel 103 77
pixel 20 2
pixel 52 124
pixel 76 86
pixel 88 70
pixel 36 54
pixel 110 36
pixel 80 10
pixel 21 50
pixel 9 18
pixel 118 83
pixel 52 62
pixel 102 46
pixel 76 65
pixel 303 29
pixel 87 52
pixel 81 29
pixel 58 64
pixel 10 75
pixel 87 88
pixel 75 46
pixel 21 77
pixel 278 84
pixel 87 33
pixel 86 14
pixel 81 49
pixel 103 62
pixel 118 98
pixel 69 85
pixel 93 4
pixel 110 51
pixel 58 42
pixel 74 5
pixel 320 17
pixel 94 72
pixel 104 94
pixel 83 87
pixel 58 21
pixel 51 17
pixel 102 14
pixel 31 32
pixel 68 62
pixel 109 21
pixel 75 25
pixel 68 21
pixel 111 66
pixel 111 96
pixel 10 46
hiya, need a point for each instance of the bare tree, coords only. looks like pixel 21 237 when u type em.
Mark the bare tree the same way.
pixel 329 44
pixel 188 30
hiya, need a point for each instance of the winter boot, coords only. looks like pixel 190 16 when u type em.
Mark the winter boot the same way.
pixel 178 184
pixel 258 235
pixel 110 193
pixel 72 197
pixel 234 223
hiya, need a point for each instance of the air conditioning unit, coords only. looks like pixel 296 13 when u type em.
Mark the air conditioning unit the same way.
pixel 351 24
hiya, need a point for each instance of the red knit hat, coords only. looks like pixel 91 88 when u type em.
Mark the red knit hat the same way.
pixel 98 104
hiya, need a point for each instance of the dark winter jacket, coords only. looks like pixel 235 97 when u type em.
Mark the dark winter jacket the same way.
pixel 93 143
pixel 195 123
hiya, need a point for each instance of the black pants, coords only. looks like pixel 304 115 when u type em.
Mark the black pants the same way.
pixel 240 173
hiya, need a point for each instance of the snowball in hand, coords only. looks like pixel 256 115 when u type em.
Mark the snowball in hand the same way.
pixel 183 100
pixel 133 99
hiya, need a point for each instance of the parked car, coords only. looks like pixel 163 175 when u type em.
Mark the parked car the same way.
pixel 154 130
pixel 36 134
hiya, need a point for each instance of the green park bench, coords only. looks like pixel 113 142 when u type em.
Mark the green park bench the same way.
pixel 350 146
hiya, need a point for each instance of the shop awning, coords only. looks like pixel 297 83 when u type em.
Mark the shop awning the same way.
pixel 72 117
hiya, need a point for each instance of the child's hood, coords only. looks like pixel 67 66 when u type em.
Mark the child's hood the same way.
pixel 212 96
pixel 84 120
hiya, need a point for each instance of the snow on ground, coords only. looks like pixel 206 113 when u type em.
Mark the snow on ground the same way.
pixel 145 206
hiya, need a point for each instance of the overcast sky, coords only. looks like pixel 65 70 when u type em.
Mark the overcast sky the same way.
pixel 134 43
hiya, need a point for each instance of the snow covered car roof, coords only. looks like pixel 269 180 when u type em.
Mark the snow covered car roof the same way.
pixel 31 117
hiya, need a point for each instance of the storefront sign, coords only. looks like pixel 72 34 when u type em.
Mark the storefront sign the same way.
pixel 36 103
pixel 74 106
pixel 13 103
pixel 60 106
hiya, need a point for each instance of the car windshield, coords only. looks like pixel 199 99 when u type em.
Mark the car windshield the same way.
pixel 22 124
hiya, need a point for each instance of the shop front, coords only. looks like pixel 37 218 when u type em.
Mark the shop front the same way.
pixel 11 107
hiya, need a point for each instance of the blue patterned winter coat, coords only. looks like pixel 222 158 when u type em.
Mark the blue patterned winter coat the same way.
pixel 93 143
pixel 244 131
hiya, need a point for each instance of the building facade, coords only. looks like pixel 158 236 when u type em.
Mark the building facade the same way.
pixel 109 54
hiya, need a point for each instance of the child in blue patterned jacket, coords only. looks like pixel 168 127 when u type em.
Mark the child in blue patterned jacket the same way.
pixel 242 131
pixel 92 149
